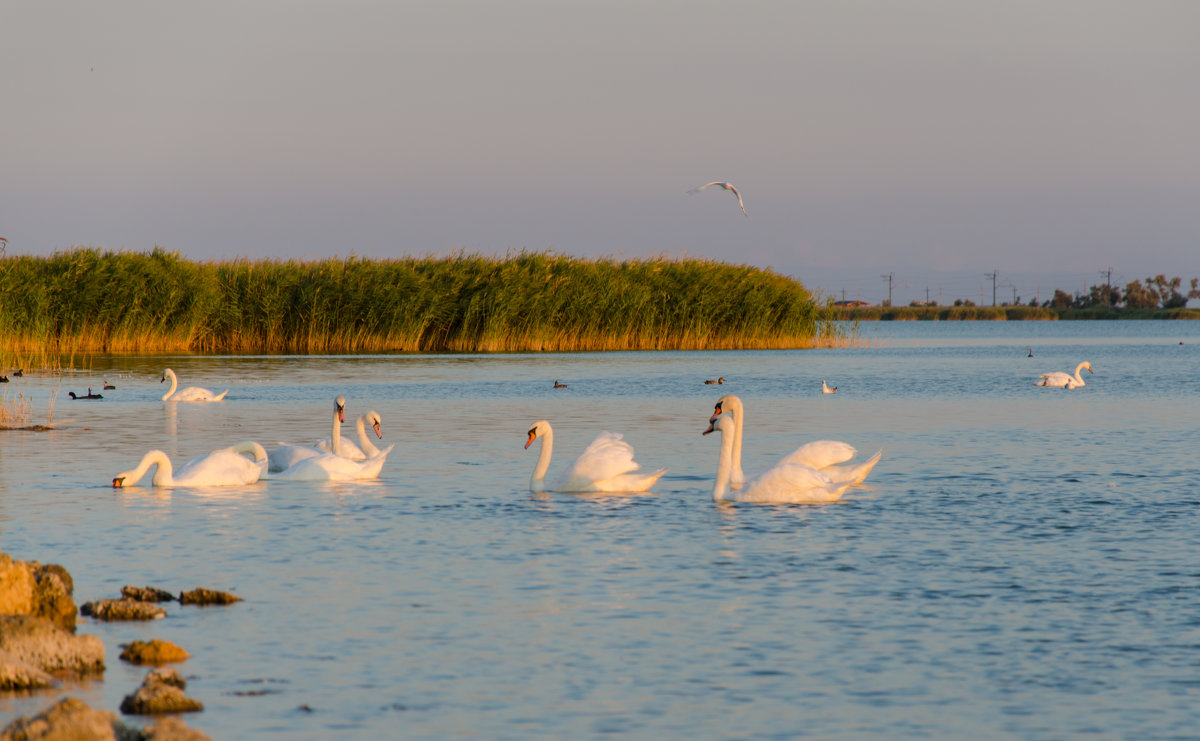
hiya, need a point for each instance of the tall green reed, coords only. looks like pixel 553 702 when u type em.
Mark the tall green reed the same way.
pixel 85 300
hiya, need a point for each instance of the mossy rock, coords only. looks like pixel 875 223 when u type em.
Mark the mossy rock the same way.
pixel 122 609
pixel 153 652
pixel 202 596
pixel 147 594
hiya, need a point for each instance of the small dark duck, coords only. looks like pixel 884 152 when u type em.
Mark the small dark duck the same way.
pixel 717 382
pixel 558 385
pixel 90 395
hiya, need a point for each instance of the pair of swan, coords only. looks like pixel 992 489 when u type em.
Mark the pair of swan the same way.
pixel 1059 379
pixel 223 467
pixel 605 465
pixel 809 474
pixel 192 393
pixel 332 459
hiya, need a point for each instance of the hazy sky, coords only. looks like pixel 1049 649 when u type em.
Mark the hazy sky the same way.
pixel 934 139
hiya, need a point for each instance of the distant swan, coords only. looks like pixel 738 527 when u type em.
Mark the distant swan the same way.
pixel 727 186
pixel 605 465
pixel 223 467
pixel 783 483
pixel 285 456
pixel 822 455
pixel 191 393
pixel 365 448
pixel 1062 380
pixel 827 389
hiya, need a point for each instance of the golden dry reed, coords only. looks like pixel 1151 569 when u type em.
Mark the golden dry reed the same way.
pixel 84 301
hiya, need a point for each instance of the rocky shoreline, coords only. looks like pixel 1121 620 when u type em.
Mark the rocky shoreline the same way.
pixel 39 649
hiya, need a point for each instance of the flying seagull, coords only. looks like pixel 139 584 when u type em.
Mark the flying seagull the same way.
pixel 727 186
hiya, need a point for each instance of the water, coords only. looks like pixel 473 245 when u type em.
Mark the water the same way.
pixel 1021 564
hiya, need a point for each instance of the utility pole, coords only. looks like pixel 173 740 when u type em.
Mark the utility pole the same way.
pixel 889 278
pixel 1107 273
pixel 1014 295
pixel 993 275
pixel 927 295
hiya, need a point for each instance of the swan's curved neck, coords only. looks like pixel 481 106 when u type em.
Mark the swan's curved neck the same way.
pixel 164 476
pixel 739 420
pixel 335 436
pixel 251 448
pixel 364 441
pixel 537 482
pixel 724 466
pixel 174 384
pixel 1078 370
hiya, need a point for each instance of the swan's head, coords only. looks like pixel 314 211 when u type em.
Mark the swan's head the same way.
pixel 376 423
pixel 1088 366
pixel 119 481
pixel 538 428
pixel 339 408
pixel 727 403
pixel 168 373
pixel 719 423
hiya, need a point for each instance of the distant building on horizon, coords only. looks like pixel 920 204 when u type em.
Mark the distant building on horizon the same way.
pixel 852 303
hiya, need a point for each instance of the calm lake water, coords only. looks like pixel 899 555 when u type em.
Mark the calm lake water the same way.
pixel 1023 562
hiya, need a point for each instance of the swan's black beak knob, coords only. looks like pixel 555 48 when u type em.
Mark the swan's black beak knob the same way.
pixel 118 482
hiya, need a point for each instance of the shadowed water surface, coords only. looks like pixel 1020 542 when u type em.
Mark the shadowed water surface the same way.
pixel 1023 562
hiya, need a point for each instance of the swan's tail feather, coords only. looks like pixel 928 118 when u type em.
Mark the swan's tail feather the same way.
pixel 851 475
pixel 221 395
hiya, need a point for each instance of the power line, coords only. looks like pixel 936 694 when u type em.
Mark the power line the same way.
pixel 993 275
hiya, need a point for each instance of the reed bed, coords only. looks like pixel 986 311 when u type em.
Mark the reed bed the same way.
pixel 84 301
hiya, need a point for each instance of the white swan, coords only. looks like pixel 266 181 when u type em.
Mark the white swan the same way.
pixel 331 467
pixel 285 456
pixel 192 393
pixel 223 467
pixel 822 455
pixel 605 465
pixel 727 186
pixel 365 448
pixel 783 483
pixel 827 389
pixel 1063 380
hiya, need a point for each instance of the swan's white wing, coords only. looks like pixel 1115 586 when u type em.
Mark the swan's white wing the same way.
pixel 349 448
pixel 608 456
pixel 821 453
pixel 790 483
pixel 1058 378
pixel 194 393
pixel 286 456
pixel 330 467
pixel 221 467
pixel 707 185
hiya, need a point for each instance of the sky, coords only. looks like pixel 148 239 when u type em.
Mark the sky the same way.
pixel 935 141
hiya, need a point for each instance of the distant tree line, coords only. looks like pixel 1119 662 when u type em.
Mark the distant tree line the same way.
pixel 1156 292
